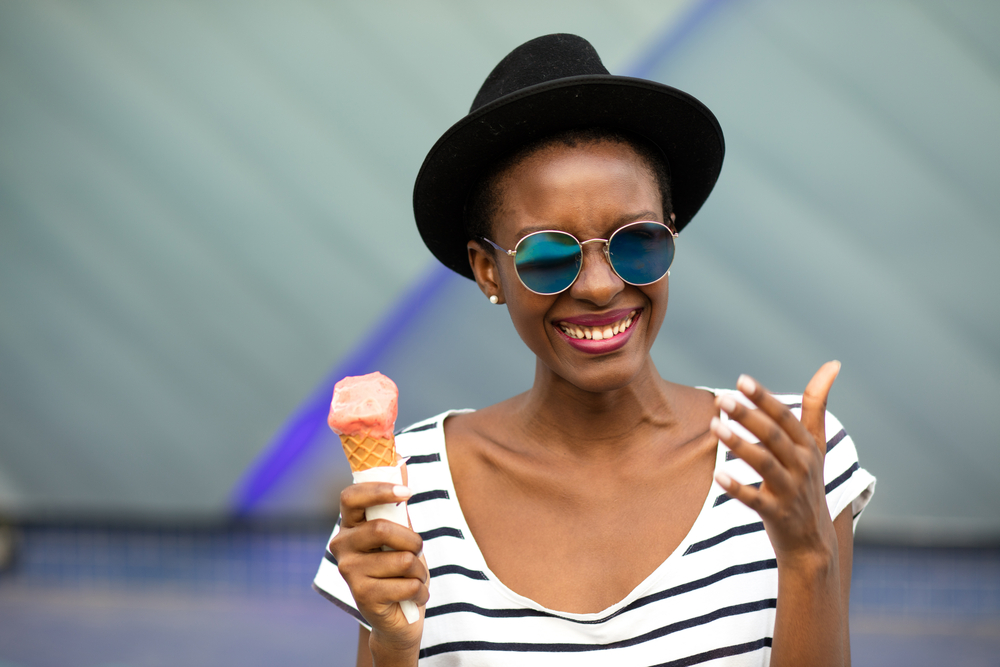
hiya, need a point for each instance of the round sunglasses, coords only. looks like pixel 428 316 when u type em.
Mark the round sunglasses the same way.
pixel 548 262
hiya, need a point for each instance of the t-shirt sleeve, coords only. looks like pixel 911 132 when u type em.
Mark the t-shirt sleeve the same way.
pixel 331 585
pixel 847 483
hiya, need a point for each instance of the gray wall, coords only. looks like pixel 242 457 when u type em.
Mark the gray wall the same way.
pixel 191 195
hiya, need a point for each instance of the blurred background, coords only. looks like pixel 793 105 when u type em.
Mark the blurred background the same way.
pixel 205 222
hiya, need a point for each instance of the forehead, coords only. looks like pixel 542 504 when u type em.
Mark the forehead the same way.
pixel 594 184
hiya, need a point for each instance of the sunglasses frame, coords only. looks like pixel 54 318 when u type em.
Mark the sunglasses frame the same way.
pixel 607 253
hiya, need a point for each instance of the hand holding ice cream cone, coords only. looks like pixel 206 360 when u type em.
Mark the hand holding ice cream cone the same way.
pixel 363 413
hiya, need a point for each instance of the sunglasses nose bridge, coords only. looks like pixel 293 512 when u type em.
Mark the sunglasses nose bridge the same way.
pixel 607 255
pixel 600 277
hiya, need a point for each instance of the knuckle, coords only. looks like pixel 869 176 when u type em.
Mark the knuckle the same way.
pixel 786 418
pixel 412 588
pixel 408 561
pixel 348 571
pixel 350 499
pixel 774 433
pixel 815 397
pixel 380 528
pixel 362 588
pixel 799 461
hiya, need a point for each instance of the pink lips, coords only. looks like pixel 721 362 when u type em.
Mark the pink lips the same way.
pixel 600 346
pixel 599 320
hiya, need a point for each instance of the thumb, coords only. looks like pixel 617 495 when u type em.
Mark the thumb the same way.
pixel 814 402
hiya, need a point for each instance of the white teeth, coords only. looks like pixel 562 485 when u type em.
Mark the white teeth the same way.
pixel 595 333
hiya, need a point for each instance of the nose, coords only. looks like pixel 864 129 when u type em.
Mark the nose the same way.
pixel 597 282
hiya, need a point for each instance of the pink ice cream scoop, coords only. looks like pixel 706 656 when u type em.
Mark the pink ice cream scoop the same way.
pixel 363 414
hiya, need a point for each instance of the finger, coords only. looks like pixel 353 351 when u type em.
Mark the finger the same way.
pixel 761 425
pixel 814 402
pixel 773 408
pixel 386 593
pixel 758 458
pixel 373 535
pixel 356 498
pixel 369 537
pixel 751 497
pixel 396 564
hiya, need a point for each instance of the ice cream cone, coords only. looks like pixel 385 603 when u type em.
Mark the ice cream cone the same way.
pixel 363 414
pixel 364 452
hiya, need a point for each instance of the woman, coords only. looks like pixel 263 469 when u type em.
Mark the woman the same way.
pixel 591 520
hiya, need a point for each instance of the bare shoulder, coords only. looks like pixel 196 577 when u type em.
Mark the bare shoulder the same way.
pixel 693 407
pixel 484 425
pixel 693 396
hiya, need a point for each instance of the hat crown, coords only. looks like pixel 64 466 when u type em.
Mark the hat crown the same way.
pixel 540 60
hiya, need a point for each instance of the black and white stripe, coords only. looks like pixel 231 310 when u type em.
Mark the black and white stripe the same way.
pixel 712 601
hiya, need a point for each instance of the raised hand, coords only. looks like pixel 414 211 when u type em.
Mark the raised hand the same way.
pixel 792 498
pixel 811 622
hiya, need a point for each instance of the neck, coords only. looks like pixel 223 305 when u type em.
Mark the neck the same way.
pixel 570 421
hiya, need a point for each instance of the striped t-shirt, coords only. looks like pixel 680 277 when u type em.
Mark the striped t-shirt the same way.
pixel 711 602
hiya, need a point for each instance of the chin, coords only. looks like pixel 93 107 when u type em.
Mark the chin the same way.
pixel 602 375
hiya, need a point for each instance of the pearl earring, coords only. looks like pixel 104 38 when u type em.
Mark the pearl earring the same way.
pixel 494 299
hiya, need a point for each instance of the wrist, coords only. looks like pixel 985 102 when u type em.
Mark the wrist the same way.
pixel 817 558
pixel 389 651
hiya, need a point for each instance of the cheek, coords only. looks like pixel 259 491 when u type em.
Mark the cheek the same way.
pixel 658 299
pixel 527 313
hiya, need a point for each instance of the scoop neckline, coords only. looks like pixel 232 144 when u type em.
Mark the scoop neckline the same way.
pixel 475 554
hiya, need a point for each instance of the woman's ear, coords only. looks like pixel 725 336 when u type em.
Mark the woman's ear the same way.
pixel 484 268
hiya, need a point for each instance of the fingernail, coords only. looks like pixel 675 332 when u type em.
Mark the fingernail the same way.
pixel 401 492
pixel 746 385
pixel 721 429
pixel 727 403
pixel 724 480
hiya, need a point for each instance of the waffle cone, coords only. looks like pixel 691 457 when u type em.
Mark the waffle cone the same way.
pixel 364 452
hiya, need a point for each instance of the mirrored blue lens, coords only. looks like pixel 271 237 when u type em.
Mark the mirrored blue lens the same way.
pixel 548 262
pixel 641 253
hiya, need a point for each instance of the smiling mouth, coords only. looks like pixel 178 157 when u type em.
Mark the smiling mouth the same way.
pixel 603 332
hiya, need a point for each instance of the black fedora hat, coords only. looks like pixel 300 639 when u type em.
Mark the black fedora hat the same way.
pixel 550 84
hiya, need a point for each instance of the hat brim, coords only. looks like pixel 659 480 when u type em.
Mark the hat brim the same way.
pixel 681 126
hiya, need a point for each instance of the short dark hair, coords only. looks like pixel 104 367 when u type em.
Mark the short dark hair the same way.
pixel 486 195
